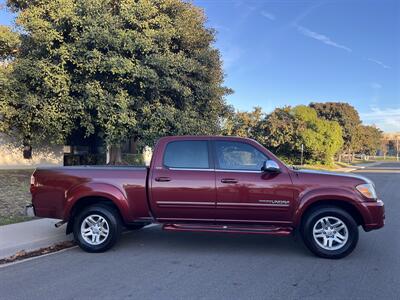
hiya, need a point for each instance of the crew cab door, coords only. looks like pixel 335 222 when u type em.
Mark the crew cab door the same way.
pixel 183 181
pixel 246 194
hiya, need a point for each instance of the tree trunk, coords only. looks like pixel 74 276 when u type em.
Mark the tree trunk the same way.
pixel 27 152
pixel 114 155
pixel 133 145
pixel 348 156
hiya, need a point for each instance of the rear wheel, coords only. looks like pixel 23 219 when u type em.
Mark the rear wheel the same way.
pixel 97 228
pixel 330 232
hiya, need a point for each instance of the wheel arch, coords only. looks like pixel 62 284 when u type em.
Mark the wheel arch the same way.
pixel 347 206
pixel 86 201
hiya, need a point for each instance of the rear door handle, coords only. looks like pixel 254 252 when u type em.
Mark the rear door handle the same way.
pixel 228 180
pixel 163 179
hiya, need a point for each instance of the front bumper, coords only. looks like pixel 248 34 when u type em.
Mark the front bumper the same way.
pixel 376 215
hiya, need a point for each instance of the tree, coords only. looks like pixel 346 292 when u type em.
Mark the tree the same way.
pixel 106 67
pixel 286 129
pixel 280 133
pixel 9 43
pixel 368 140
pixel 322 139
pixel 347 117
pixel 244 124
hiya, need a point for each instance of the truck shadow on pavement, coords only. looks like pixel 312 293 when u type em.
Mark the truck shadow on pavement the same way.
pixel 199 242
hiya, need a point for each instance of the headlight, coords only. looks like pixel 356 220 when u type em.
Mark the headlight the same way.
pixel 367 190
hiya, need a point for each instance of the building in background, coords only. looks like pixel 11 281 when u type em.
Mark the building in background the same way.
pixel 12 155
pixel 390 144
pixel 79 150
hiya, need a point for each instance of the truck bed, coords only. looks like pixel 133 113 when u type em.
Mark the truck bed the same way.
pixel 54 190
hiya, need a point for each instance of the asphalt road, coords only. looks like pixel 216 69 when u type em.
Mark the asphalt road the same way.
pixel 152 264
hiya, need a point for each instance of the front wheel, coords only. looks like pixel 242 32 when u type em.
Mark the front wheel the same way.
pixel 330 232
pixel 97 228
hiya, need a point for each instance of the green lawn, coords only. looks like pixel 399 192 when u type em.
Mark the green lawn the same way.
pixel 377 159
pixel 14 195
pixel 14 219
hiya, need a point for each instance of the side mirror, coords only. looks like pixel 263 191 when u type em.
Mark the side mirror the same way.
pixel 270 166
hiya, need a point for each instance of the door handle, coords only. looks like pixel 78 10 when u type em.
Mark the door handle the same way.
pixel 228 180
pixel 163 179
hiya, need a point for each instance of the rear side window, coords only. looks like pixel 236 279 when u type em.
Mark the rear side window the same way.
pixel 187 154
pixel 238 156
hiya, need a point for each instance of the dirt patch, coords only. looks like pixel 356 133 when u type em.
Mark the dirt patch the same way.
pixel 14 194
pixel 28 254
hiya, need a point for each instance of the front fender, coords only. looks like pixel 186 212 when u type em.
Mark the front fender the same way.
pixel 98 189
pixel 310 197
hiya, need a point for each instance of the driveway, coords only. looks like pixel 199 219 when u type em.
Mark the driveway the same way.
pixel 152 264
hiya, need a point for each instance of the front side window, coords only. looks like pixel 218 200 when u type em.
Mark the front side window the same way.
pixel 187 154
pixel 238 156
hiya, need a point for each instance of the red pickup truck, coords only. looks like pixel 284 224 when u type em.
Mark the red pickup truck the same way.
pixel 209 184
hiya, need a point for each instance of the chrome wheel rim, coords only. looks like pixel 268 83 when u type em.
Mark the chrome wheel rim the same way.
pixel 330 233
pixel 94 229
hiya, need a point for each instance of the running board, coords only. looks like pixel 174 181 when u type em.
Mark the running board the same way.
pixel 248 229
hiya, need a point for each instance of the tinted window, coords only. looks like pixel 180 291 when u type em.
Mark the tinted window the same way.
pixel 187 154
pixel 238 156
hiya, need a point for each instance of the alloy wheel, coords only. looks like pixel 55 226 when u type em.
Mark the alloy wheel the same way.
pixel 330 233
pixel 94 229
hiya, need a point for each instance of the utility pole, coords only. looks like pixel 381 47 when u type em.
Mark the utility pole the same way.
pixel 397 148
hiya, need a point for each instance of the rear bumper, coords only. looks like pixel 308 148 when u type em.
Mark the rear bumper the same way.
pixel 375 217
pixel 30 210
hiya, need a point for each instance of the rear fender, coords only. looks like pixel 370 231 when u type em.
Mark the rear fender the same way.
pixel 97 189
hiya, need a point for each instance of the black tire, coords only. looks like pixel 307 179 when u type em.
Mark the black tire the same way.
pixel 315 245
pixel 112 223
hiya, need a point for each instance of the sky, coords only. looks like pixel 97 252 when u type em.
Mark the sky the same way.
pixel 291 52
pixel 283 52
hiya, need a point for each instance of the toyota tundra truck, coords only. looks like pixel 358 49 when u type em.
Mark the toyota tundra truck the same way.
pixel 209 184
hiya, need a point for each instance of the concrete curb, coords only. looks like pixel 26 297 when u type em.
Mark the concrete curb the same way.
pixel 31 235
pixel 350 170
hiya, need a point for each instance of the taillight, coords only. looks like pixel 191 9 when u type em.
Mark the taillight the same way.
pixel 32 180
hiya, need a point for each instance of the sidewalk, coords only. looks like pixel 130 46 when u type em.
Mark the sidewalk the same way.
pixel 368 164
pixel 30 235
pixel 346 169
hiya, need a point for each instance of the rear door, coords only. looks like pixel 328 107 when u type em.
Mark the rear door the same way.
pixel 244 193
pixel 183 182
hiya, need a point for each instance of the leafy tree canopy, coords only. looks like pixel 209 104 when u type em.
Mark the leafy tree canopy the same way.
pixel 280 132
pixel 244 124
pixel 109 67
pixel 9 43
pixel 286 129
pixel 343 113
pixel 322 139
pixel 368 139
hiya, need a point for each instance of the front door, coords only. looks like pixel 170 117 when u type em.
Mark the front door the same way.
pixel 183 182
pixel 244 193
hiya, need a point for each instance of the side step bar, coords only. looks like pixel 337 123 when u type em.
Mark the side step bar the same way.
pixel 248 229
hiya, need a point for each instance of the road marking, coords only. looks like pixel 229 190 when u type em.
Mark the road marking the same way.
pixel 60 251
